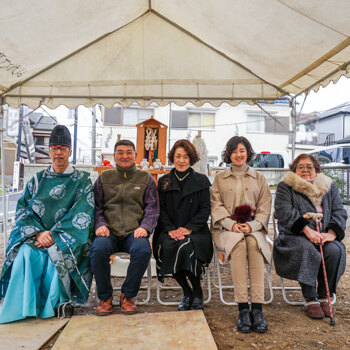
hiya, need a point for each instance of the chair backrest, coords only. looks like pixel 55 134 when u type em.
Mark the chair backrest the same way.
pixel 275 226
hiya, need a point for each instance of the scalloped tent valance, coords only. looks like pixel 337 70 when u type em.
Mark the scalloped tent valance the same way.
pixel 125 51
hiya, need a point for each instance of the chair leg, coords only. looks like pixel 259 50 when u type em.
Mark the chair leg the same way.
pixel 284 288
pixel 146 287
pixel 206 277
pixel 220 286
pixel 268 272
pixel 160 301
pixel 216 270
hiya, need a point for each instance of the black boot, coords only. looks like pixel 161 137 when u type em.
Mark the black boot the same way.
pixel 197 303
pixel 244 323
pixel 185 303
pixel 259 323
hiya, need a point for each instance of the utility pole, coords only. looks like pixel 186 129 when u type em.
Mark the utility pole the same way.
pixel 93 137
pixel 75 135
pixel 19 142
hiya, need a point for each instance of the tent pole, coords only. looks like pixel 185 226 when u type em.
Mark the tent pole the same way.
pixel 294 125
pixel 4 203
pixel 75 136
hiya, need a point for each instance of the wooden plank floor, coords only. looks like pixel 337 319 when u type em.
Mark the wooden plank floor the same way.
pixel 166 330
pixel 29 334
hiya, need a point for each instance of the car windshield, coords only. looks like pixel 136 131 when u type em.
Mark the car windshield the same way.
pixel 267 161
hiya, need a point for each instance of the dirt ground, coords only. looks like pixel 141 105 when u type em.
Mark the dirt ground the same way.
pixel 289 326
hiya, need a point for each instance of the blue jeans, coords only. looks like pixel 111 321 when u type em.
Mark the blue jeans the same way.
pixel 102 248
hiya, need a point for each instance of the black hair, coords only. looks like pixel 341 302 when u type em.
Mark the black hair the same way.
pixel 232 145
pixel 125 143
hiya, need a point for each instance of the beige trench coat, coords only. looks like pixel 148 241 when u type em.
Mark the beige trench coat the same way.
pixel 256 194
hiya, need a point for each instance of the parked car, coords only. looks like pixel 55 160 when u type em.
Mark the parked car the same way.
pixel 270 159
pixel 335 155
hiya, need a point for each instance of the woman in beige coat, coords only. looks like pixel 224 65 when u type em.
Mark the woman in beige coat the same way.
pixel 243 242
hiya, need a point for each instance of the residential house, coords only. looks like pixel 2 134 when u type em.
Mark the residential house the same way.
pixel 216 125
pixel 325 128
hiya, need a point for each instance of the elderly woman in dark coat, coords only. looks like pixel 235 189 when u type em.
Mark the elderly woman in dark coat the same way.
pixel 182 242
pixel 296 253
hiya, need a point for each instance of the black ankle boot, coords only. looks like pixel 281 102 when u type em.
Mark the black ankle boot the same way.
pixel 259 323
pixel 244 324
pixel 185 303
pixel 197 303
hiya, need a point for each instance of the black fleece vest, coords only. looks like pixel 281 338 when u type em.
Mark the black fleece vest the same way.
pixel 123 191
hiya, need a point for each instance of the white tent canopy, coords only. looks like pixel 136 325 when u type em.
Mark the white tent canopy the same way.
pixel 123 51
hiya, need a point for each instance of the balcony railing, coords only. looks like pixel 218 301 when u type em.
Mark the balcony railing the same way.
pixel 323 139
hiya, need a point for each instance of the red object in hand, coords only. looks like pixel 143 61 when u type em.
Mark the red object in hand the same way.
pixel 242 213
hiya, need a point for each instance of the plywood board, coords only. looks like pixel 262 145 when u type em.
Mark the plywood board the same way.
pixel 29 334
pixel 166 330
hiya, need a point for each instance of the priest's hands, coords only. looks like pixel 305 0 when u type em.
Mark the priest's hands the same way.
pixel 44 239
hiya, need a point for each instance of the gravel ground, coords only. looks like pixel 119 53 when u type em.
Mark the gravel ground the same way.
pixel 289 327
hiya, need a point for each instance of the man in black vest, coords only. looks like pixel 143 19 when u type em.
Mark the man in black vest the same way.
pixel 126 213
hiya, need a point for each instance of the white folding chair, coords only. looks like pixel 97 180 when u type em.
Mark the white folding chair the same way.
pixel 221 287
pixel 123 256
pixel 162 286
pixel 283 287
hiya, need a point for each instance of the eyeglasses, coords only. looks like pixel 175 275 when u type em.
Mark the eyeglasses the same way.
pixel 307 168
pixel 54 149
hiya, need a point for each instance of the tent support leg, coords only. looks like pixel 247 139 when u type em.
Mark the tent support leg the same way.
pixel 294 124
pixel 4 202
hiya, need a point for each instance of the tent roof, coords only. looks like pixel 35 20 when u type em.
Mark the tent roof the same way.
pixel 88 52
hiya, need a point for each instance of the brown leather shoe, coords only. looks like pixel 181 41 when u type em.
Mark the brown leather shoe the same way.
pixel 127 305
pixel 104 308
pixel 325 307
pixel 313 309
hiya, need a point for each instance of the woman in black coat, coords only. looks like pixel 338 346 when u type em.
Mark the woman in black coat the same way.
pixel 182 242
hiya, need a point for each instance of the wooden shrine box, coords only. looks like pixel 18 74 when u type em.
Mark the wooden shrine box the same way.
pixel 161 130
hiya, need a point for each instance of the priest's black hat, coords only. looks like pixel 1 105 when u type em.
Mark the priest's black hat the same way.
pixel 60 135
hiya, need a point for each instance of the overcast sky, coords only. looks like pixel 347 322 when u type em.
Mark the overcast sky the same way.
pixel 328 97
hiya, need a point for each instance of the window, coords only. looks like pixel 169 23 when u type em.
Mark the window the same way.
pixel 179 120
pixel 133 116
pixel 256 123
pixel 201 120
pixel 196 120
pixel 264 123
pixel 40 140
pixel 126 116
pixel 280 125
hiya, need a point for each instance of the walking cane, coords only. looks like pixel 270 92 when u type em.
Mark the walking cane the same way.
pixel 316 217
